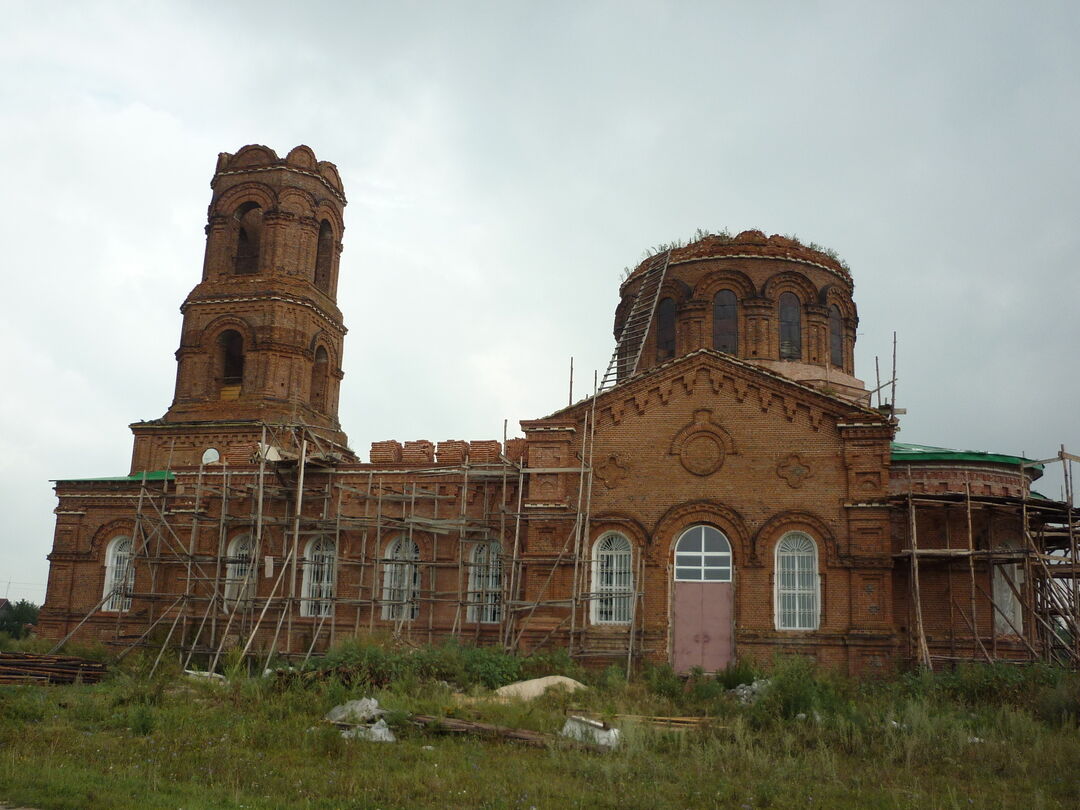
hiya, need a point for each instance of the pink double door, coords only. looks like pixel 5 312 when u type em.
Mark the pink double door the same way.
pixel 703 601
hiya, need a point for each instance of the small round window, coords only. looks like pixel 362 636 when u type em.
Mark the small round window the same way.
pixel 703 554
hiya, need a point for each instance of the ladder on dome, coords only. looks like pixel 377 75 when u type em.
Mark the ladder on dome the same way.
pixel 627 354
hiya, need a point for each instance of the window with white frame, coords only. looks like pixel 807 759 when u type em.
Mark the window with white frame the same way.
pixel 119 575
pixel 238 573
pixel 318 586
pixel 798 599
pixel 401 580
pixel 612 580
pixel 703 554
pixel 485 583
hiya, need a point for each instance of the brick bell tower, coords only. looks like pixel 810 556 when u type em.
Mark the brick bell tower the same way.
pixel 262 335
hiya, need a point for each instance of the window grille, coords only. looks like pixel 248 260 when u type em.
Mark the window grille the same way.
pixel 797 584
pixel 238 570
pixel 613 580
pixel 318 586
pixel 401 581
pixel 485 584
pixel 119 575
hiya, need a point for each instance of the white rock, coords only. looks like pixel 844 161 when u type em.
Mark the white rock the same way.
pixel 364 710
pixel 527 690
pixel 585 730
pixel 380 732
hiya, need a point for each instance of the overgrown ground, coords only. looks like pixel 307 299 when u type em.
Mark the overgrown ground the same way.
pixel 979 737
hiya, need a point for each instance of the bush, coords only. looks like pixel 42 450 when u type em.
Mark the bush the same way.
pixel 1059 705
pixel 663 681
pixel 734 674
pixel 796 687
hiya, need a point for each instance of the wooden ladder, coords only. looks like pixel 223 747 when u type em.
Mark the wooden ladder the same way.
pixel 631 340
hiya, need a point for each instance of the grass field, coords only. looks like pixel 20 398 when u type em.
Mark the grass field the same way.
pixel 981 736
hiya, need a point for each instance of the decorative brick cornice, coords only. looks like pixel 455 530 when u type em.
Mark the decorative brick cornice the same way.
pixel 241 298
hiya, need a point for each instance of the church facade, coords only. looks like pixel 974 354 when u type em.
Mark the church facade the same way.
pixel 729 491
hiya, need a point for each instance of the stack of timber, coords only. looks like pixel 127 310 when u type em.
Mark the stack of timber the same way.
pixel 38 668
pixel 534 739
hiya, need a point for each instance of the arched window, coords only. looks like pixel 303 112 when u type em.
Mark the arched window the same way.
pixel 703 554
pixel 725 322
pixel 320 373
pixel 318 588
pixel 239 582
pixel 401 580
pixel 665 329
pixel 324 257
pixel 790 327
pixel 485 583
pixel 836 337
pixel 797 584
pixel 231 350
pixel 119 575
pixel 248 235
pixel 612 580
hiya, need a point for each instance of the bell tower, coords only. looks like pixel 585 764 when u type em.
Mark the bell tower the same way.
pixel 262 335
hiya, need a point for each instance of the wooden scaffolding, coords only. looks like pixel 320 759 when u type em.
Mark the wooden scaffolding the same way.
pixel 1018 595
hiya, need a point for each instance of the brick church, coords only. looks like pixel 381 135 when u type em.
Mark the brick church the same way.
pixel 729 491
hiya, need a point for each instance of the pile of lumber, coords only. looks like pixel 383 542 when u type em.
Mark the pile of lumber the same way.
pixel 535 739
pixel 18 667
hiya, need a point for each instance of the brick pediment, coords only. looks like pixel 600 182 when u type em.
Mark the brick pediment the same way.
pixel 721 376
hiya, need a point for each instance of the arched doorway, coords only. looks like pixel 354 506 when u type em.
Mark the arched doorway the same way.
pixel 703 614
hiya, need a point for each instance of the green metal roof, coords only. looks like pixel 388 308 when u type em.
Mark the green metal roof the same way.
pixel 923 452
pixel 149 475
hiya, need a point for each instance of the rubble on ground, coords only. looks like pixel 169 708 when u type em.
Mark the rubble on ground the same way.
pixel 748 693
pixel 361 720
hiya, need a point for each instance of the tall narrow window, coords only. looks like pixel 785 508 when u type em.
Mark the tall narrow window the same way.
pixel 790 327
pixel 703 554
pixel 725 322
pixel 119 575
pixel 248 234
pixel 324 257
pixel 485 583
pixel 797 584
pixel 836 337
pixel 320 374
pixel 665 329
pixel 613 580
pixel 231 349
pixel 238 573
pixel 401 580
pixel 1009 615
pixel 318 586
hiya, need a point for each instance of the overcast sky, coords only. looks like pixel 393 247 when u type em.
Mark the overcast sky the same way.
pixel 504 162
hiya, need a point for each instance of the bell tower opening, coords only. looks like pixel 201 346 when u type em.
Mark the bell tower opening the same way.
pixel 231 361
pixel 324 257
pixel 320 378
pixel 248 235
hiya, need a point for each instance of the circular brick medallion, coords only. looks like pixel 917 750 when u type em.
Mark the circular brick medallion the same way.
pixel 702 454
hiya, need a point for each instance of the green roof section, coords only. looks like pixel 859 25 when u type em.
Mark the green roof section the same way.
pixel 924 452
pixel 149 475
